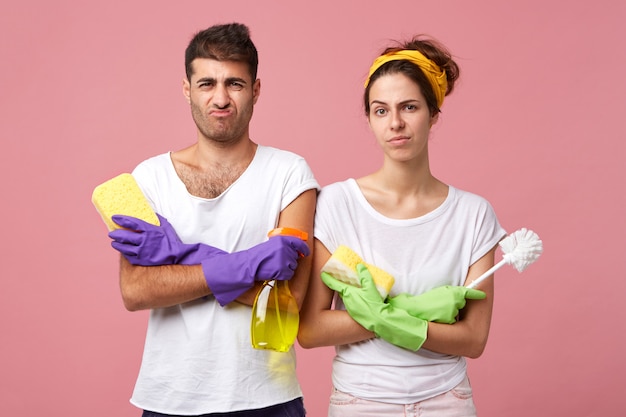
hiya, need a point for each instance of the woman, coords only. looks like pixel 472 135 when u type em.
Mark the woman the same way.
pixel 407 352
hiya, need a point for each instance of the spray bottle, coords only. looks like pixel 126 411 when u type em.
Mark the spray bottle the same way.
pixel 275 314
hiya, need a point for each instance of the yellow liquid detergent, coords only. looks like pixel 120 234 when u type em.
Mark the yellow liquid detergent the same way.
pixel 275 314
pixel 275 317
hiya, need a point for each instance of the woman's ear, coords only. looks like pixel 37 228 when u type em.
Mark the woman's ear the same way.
pixel 433 119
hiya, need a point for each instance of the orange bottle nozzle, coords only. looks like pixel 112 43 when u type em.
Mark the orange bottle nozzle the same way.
pixel 288 231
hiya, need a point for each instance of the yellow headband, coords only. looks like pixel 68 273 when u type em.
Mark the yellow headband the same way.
pixel 435 75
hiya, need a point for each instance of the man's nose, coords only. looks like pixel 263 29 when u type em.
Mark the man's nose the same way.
pixel 221 98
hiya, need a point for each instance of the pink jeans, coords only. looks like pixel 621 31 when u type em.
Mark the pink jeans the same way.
pixel 457 402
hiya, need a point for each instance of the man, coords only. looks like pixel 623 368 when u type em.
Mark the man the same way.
pixel 220 196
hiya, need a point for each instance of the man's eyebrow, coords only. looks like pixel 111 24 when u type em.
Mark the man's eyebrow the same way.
pixel 228 80
pixel 204 80
pixel 236 79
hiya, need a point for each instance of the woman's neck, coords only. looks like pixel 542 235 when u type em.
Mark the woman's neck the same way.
pixel 398 192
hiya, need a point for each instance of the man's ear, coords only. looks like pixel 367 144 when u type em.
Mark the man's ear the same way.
pixel 256 90
pixel 187 90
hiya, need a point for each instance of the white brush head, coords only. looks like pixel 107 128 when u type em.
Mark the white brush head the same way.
pixel 521 248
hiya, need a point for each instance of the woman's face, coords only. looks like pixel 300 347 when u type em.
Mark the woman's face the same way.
pixel 399 117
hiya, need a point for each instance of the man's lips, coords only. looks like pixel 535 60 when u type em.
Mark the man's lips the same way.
pixel 220 113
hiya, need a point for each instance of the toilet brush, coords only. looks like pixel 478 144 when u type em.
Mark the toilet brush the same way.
pixel 521 248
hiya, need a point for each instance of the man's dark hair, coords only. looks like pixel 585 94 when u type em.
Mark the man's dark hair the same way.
pixel 229 42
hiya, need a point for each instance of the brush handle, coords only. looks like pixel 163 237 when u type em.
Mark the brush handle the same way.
pixel 487 274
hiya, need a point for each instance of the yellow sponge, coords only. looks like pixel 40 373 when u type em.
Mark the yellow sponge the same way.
pixel 122 195
pixel 342 265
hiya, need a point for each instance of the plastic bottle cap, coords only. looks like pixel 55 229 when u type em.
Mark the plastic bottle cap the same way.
pixel 288 231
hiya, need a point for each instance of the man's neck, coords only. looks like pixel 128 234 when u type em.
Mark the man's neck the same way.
pixel 206 155
pixel 208 170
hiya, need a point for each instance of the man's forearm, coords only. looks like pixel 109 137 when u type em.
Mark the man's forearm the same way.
pixel 147 287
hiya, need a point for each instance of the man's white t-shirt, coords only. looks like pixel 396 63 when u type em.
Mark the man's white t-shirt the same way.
pixel 198 358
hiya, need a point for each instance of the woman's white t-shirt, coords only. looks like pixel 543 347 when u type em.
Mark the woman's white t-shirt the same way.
pixel 421 253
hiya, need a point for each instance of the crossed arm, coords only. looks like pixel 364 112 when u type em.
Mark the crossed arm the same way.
pixel 322 326
pixel 146 287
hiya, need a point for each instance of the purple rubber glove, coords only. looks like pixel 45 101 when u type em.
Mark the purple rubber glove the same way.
pixel 231 275
pixel 148 245
pixel 227 275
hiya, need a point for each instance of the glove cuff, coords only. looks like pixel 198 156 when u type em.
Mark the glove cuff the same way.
pixel 401 329
pixel 225 278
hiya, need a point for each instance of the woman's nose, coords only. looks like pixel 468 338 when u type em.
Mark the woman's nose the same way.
pixel 396 121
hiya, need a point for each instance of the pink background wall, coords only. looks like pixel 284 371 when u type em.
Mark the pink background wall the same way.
pixel 90 89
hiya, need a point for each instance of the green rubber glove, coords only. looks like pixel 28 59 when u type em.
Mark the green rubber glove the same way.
pixel 366 306
pixel 441 304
